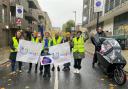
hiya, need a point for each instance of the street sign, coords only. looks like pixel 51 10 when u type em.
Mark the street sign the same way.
pixel 18 22
pixel 19 11
pixel 98 5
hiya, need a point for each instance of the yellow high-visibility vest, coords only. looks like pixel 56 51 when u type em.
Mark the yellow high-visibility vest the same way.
pixel 34 40
pixel 78 45
pixel 58 41
pixel 15 44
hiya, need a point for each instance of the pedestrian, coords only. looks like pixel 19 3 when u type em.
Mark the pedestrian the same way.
pixel 67 65
pixel 55 41
pixel 35 39
pixel 47 66
pixel 14 48
pixel 78 50
pixel 47 42
pixel 97 43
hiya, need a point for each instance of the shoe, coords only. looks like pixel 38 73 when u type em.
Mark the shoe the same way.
pixel 75 71
pixel 53 68
pixel 58 68
pixel 93 65
pixel 14 72
pixel 41 73
pixel 64 69
pixel 68 68
pixel 44 75
pixel 35 71
pixel 29 71
pixel 49 75
pixel 20 71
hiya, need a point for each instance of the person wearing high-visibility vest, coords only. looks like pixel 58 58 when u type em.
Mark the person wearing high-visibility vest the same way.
pixel 55 41
pixel 14 48
pixel 67 39
pixel 78 50
pixel 46 44
pixel 35 39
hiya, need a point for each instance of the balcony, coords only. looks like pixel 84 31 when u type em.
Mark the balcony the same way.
pixel 24 3
pixel 33 4
pixel 32 15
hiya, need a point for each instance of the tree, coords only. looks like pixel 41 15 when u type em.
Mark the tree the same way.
pixel 68 25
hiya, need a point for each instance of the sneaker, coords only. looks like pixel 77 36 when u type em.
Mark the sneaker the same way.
pixel 58 68
pixel 20 71
pixel 14 72
pixel 29 71
pixel 64 69
pixel 53 68
pixel 35 71
pixel 75 71
pixel 49 75
pixel 41 73
pixel 44 75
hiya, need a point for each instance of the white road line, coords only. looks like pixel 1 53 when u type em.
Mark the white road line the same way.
pixel 56 83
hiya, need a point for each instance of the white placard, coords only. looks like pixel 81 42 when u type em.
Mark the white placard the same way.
pixel 61 53
pixel 29 51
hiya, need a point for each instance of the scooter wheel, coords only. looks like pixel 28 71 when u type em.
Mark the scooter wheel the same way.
pixel 119 76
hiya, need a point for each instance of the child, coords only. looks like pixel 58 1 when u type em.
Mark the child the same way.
pixel 46 67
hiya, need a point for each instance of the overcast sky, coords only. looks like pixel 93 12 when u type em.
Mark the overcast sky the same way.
pixel 61 11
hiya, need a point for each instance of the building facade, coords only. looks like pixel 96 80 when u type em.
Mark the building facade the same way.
pixel 113 19
pixel 30 22
pixel 4 22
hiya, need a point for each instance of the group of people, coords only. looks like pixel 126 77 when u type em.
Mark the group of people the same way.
pixel 77 47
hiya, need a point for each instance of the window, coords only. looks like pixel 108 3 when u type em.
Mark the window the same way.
pixel 117 3
pixel 4 13
pixel 111 4
pixel 0 13
pixel 106 5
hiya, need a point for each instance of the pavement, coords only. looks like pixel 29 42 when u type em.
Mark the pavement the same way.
pixel 90 49
pixel 4 55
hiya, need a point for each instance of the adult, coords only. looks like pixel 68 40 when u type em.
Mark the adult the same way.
pixel 67 39
pixel 97 43
pixel 35 39
pixel 14 48
pixel 55 41
pixel 78 50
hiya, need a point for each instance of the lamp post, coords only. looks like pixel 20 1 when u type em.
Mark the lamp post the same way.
pixel 75 18
pixel 45 22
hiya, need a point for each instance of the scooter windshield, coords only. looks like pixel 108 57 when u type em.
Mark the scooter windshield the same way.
pixel 110 44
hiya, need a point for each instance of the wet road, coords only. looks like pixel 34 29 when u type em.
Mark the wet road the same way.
pixel 88 79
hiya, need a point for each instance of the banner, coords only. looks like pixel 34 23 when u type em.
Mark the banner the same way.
pixel 19 11
pixel 61 53
pixel 28 51
pixel 44 60
pixel 98 5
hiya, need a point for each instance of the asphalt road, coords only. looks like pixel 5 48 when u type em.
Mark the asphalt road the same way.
pixel 87 79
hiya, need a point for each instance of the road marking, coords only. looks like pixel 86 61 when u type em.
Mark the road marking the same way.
pixel 56 83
